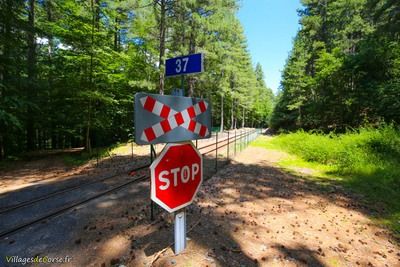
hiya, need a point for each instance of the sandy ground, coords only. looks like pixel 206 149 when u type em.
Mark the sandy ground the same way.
pixel 52 168
pixel 253 214
pixel 249 214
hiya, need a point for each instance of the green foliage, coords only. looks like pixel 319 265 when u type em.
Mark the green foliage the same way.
pixel 350 151
pixel 343 70
pixel 69 69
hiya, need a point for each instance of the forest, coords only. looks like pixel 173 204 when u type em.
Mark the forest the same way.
pixel 344 69
pixel 69 69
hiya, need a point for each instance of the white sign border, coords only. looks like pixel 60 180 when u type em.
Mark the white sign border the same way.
pixel 181 74
pixel 153 177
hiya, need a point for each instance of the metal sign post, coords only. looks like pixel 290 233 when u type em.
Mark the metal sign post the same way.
pixel 177 173
pixel 176 176
pixel 180 231
pixel 153 155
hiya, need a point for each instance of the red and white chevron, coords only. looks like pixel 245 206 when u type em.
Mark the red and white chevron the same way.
pixel 173 119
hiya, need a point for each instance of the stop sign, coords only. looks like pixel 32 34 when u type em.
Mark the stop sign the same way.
pixel 176 175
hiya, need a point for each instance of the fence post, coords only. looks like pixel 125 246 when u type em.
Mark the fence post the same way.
pixel 132 149
pixel 216 152
pixel 97 157
pixel 235 143
pixel 228 147
pixel 245 139
pixel 241 140
pixel 153 155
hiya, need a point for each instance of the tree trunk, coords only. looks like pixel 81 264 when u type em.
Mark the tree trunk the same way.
pixel 53 138
pixel 88 146
pixel 49 12
pixel 222 114
pixel 163 10
pixel 39 138
pixel 31 62
pixel 3 78
pixel 97 14
pixel 192 48
pixel 2 153
pixel 116 35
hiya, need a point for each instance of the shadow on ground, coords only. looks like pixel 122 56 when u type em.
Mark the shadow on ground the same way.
pixel 218 223
pixel 214 226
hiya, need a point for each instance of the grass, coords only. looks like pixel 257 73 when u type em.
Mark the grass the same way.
pixel 366 161
pixel 72 159
pixel 83 157
pixel 101 152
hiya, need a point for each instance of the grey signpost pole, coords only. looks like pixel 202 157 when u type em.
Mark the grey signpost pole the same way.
pixel 180 66
pixel 180 216
pixel 153 155
pixel 180 231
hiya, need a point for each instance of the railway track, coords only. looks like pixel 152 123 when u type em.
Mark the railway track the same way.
pixel 62 191
pixel 68 207
pixel 217 145
pixel 71 188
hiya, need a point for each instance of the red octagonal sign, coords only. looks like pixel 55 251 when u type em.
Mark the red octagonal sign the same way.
pixel 176 176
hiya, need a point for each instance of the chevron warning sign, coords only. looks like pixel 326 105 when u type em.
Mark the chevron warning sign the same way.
pixel 163 119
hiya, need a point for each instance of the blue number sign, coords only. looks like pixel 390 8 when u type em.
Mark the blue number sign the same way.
pixel 184 65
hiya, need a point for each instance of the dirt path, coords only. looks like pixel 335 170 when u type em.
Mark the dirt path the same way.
pixel 254 214
pixel 250 214
pixel 52 168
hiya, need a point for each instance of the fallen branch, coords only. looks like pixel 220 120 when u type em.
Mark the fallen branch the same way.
pixel 155 258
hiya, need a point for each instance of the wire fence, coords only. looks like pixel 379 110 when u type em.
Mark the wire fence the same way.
pixel 217 151
pixel 225 145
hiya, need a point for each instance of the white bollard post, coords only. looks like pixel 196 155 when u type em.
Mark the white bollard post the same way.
pixel 180 231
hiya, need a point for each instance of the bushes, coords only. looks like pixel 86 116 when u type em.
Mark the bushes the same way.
pixel 354 151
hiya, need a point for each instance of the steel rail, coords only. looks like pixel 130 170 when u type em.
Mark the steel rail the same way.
pixel 68 207
pixel 68 189
pixel 58 192
pixel 80 202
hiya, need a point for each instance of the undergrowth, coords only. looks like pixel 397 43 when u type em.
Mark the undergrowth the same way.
pixel 83 157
